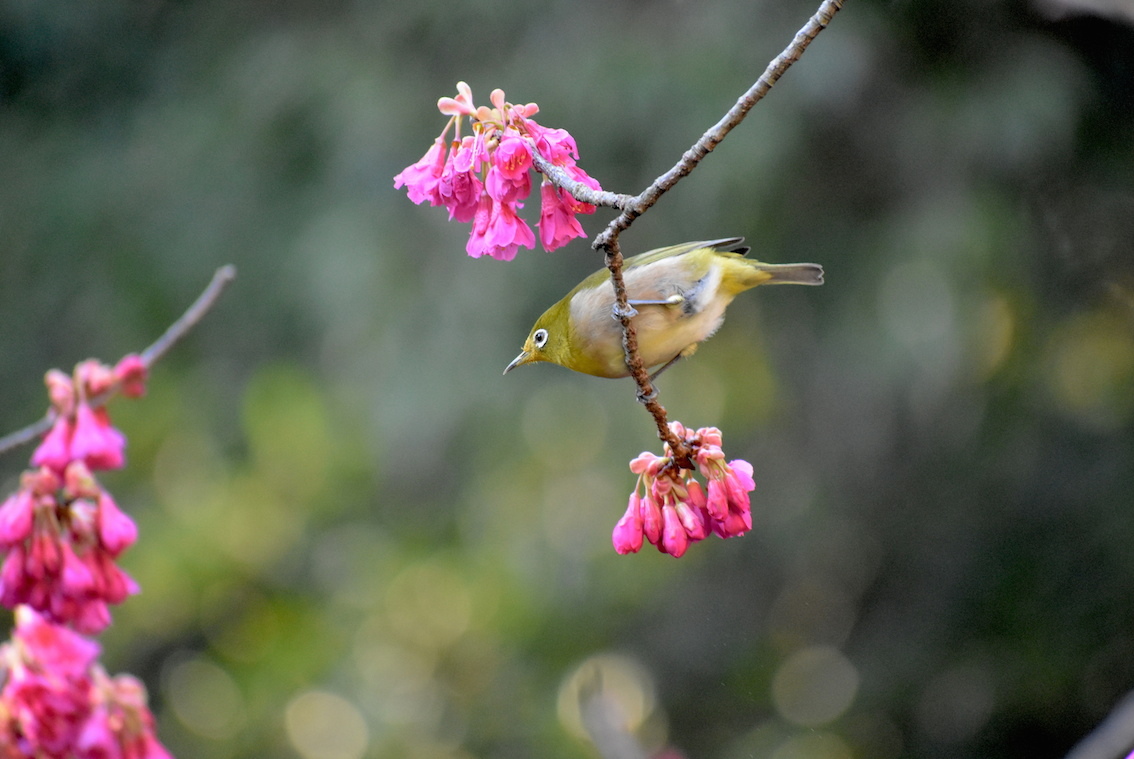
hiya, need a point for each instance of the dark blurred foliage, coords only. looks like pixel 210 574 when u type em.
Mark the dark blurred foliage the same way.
pixel 358 539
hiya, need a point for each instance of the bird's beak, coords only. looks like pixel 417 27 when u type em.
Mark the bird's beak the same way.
pixel 519 360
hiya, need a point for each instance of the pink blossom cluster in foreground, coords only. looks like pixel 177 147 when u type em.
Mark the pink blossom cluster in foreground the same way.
pixel 62 533
pixel 61 530
pixel 670 509
pixel 57 702
pixel 483 177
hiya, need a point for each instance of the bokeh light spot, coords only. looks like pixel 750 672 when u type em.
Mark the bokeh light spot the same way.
pixel 624 684
pixel 428 605
pixel 1092 370
pixel 814 686
pixel 204 697
pixel 322 725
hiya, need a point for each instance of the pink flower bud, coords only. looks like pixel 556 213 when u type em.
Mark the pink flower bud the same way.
pixel 78 482
pixel 717 502
pixel 116 530
pixel 54 450
pixel 131 372
pixel 692 521
pixel 76 579
pixel 643 461
pixel 651 519
pixel 627 536
pixel 45 558
pixel 94 377
pixel 734 524
pixel 95 441
pixel 16 518
pixel 674 540
pixel 61 391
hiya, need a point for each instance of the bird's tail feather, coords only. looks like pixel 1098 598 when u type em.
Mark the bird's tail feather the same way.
pixel 788 274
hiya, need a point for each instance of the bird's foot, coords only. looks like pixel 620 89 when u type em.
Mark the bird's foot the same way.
pixel 645 398
pixel 618 313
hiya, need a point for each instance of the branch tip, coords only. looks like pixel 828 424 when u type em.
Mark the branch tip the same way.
pixel 201 306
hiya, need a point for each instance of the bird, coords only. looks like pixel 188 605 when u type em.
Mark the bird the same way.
pixel 678 295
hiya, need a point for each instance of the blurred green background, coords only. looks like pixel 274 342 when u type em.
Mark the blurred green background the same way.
pixel 359 540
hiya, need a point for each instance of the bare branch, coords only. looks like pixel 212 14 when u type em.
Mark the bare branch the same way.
pixel 633 207
pixel 577 189
pixel 25 435
pixel 718 131
pixel 150 355
pixel 192 315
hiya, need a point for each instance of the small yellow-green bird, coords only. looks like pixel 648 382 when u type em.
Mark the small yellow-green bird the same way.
pixel 680 294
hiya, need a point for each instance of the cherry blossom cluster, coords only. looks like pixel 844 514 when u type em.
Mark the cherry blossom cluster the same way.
pixel 62 533
pixel 483 177
pixel 61 530
pixel 56 702
pixel 671 509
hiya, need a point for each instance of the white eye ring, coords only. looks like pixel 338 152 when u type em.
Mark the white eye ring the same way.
pixel 539 337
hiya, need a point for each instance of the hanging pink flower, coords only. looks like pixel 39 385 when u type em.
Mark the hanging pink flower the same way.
pixel 62 536
pixel 421 179
pixel 671 510
pixel 557 222
pixel 483 178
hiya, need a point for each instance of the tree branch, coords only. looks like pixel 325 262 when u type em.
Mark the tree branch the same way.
pixel 150 355
pixel 577 189
pixel 633 207
pixel 720 130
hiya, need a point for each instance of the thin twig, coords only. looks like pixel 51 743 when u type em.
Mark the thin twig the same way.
pixel 718 131
pixel 149 356
pixel 192 315
pixel 632 207
pixel 577 189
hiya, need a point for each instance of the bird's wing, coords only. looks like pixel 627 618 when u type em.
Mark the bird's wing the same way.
pixel 724 244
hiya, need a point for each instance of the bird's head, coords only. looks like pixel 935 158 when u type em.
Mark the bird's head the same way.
pixel 549 340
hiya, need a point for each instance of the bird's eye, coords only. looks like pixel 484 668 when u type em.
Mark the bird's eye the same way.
pixel 539 337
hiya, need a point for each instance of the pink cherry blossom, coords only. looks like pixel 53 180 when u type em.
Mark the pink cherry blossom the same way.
pixel 557 222
pixel 47 695
pixel 460 187
pixel 498 232
pixel 485 177
pixel 421 179
pixel 57 702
